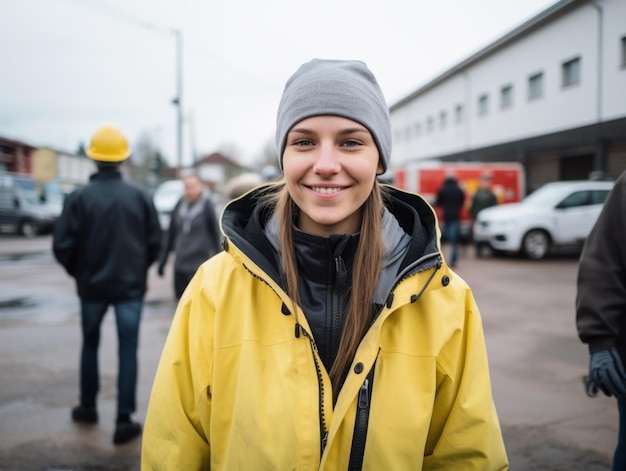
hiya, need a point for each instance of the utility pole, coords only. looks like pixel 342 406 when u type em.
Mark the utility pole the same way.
pixel 192 137
pixel 178 100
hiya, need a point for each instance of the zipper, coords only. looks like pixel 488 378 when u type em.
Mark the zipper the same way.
pixel 361 423
pixel 339 287
pixel 320 382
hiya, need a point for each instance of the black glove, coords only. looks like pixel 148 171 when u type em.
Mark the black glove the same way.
pixel 607 372
pixel 161 270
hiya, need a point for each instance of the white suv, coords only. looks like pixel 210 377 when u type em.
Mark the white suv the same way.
pixel 557 214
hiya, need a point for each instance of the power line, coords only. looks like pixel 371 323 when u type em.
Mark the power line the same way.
pixel 226 65
pixel 120 15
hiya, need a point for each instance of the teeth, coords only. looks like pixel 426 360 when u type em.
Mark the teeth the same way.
pixel 324 190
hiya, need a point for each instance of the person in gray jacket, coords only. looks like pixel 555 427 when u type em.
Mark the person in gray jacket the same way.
pixel 193 233
pixel 601 306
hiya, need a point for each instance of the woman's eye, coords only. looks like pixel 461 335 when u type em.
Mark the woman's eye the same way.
pixel 303 142
pixel 351 143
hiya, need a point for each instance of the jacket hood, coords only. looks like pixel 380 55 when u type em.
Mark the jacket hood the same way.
pixel 244 223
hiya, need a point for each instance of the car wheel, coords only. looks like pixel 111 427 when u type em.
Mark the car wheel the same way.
pixel 536 244
pixel 28 228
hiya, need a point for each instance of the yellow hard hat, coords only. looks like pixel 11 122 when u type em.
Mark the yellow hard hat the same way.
pixel 108 144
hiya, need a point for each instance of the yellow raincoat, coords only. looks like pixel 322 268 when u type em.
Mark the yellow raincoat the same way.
pixel 240 385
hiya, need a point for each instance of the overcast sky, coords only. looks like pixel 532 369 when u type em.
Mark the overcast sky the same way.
pixel 70 65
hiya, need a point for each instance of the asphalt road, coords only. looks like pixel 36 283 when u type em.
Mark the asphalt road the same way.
pixel 527 307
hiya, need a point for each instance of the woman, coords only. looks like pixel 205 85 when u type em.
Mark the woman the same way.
pixel 329 334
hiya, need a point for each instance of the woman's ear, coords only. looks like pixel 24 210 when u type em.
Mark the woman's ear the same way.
pixel 381 168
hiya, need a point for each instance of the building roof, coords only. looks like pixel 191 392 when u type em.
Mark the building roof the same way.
pixel 548 15
pixel 15 143
pixel 216 158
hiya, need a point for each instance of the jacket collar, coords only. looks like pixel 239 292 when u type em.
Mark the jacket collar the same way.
pixel 102 175
pixel 245 223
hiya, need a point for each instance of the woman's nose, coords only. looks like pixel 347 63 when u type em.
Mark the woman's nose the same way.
pixel 327 161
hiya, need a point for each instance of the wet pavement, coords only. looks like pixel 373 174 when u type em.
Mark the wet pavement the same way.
pixel 39 355
pixel 536 365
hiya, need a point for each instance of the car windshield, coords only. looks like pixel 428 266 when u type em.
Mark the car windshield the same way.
pixel 546 195
pixel 172 189
pixel 31 199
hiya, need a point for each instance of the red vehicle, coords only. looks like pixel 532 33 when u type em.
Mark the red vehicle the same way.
pixel 425 178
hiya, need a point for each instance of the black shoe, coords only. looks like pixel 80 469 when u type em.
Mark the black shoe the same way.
pixel 85 414
pixel 126 431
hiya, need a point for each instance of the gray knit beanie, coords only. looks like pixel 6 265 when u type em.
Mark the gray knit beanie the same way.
pixel 335 87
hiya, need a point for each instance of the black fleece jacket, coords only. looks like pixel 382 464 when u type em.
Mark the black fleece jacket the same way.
pixel 107 237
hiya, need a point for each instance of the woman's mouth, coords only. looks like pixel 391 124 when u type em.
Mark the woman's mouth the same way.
pixel 324 190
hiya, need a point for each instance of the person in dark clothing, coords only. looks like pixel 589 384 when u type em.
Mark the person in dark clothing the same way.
pixel 601 306
pixel 483 198
pixel 193 233
pixel 450 199
pixel 106 238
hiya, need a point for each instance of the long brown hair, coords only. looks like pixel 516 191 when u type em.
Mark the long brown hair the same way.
pixel 366 270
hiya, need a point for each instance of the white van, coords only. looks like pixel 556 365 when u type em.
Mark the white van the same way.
pixel 165 198
pixel 21 210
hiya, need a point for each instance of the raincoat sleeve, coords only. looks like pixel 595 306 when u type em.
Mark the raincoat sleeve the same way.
pixel 153 229
pixel 465 432
pixel 174 437
pixel 65 236
pixel 601 294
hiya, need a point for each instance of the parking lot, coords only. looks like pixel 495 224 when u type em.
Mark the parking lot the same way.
pixel 527 307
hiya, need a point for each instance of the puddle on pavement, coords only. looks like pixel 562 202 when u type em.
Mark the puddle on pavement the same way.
pixel 19 256
pixel 19 302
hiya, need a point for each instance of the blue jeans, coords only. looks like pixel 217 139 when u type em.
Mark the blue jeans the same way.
pixel 451 232
pixel 619 458
pixel 127 316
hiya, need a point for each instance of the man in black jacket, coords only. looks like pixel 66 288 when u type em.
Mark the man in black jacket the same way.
pixel 106 239
pixel 450 199
pixel 601 306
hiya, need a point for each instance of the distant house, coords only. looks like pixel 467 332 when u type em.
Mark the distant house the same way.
pixel 55 172
pixel 66 171
pixel 15 156
pixel 216 169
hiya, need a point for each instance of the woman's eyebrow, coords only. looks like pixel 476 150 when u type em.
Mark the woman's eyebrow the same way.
pixel 353 130
pixel 302 131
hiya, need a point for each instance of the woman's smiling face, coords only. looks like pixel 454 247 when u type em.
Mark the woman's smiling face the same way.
pixel 330 164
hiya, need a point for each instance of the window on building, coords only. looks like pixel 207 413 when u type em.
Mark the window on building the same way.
pixel 623 51
pixel 483 105
pixel 506 97
pixel 443 118
pixel 458 114
pixel 430 124
pixel 535 86
pixel 570 71
pixel 418 128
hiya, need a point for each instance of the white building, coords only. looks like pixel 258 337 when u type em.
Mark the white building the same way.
pixel 550 94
